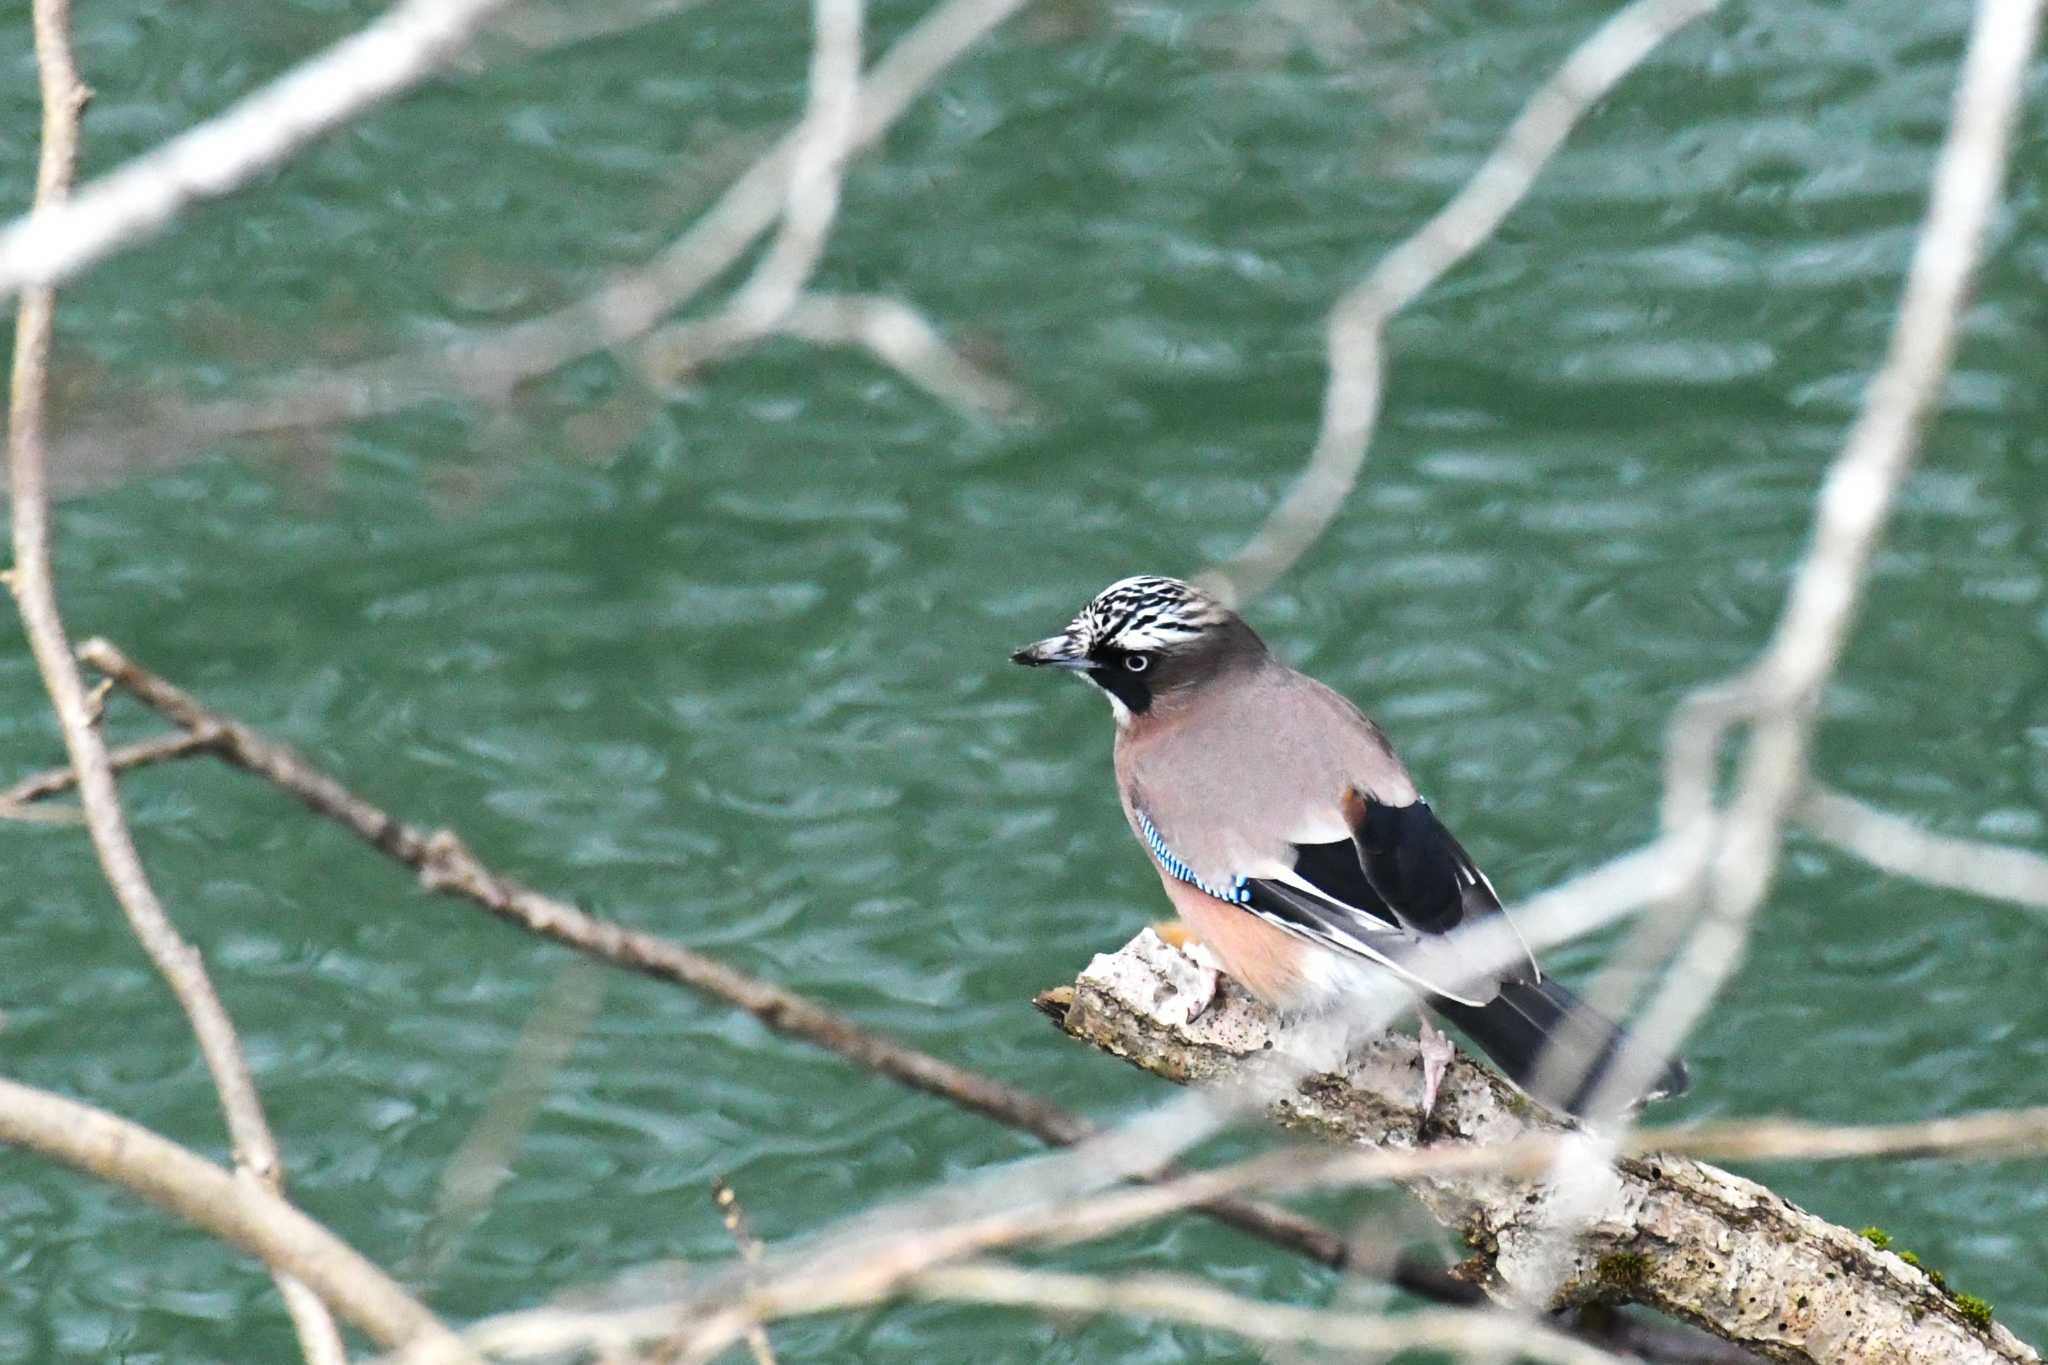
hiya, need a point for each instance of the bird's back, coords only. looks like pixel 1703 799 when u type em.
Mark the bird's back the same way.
pixel 1251 766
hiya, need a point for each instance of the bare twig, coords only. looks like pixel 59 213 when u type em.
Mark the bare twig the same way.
pixel 1896 845
pixel 400 49
pixel 256 1157
pixel 1357 325
pixel 1199 1303
pixel 1782 689
pixel 708 1321
pixel 444 864
pixel 897 334
pixel 486 365
pixel 727 1201
pixel 735 1219
pixel 817 163
pixel 537 28
pixel 1170 1297
pixel 141 754
pixel 484 1160
pixel 243 1213
pixel 772 299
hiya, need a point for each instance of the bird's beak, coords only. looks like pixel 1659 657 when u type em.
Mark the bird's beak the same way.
pixel 1058 651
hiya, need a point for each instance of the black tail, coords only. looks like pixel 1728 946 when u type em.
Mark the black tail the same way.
pixel 1532 1028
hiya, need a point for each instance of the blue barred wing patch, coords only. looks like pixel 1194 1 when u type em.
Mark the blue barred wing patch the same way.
pixel 1238 892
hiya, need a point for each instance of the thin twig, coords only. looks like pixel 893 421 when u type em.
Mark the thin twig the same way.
pixel 256 1157
pixel 1173 1298
pixel 483 1161
pixel 141 754
pixel 819 150
pixel 735 1219
pixel 538 28
pixel 1782 690
pixel 727 1201
pixel 1896 845
pixel 772 299
pixel 400 49
pixel 894 332
pixel 1357 325
pixel 240 1212
pixel 486 365
pixel 444 864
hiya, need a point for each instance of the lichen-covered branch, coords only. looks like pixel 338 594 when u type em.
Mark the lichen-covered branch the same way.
pixel 1685 1238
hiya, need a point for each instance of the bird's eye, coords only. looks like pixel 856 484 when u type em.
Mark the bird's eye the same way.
pixel 1137 663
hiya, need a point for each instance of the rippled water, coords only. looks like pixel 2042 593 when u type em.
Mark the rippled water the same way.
pixel 730 664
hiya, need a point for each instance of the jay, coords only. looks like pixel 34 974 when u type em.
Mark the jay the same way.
pixel 1294 845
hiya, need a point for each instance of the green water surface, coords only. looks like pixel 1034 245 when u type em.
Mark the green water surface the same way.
pixel 728 663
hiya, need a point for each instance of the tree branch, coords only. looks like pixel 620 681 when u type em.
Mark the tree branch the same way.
pixel 1894 844
pixel 1685 1238
pixel 1357 325
pixel 399 50
pixel 242 1213
pixel 64 97
pixel 141 754
pixel 488 364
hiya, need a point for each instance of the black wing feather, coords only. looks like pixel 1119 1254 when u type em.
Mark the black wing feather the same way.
pixel 1400 866
pixel 1402 871
pixel 1419 870
pixel 1335 870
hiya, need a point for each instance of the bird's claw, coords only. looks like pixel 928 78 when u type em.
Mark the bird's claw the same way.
pixel 1208 981
pixel 1199 987
pixel 1437 1053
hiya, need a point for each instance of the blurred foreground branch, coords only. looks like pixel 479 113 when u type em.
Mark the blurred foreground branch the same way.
pixel 487 365
pixel 1682 1237
pixel 242 1213
pixel 400 49
pixel 1357 327
pixel 1894 844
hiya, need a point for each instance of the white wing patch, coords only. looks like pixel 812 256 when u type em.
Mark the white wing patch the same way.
pixel 1337 939
pixel 1372 923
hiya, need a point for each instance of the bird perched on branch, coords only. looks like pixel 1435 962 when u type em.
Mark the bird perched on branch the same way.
pixel 1293 843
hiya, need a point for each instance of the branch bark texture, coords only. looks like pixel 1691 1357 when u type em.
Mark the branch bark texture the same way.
pixel 1680 1236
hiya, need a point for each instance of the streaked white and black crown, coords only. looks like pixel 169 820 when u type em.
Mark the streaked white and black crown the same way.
pixel 1147 612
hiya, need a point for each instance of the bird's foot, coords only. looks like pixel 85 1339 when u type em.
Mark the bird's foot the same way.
pixel 1199 990
pixel 1209 982
pixel 1437 1053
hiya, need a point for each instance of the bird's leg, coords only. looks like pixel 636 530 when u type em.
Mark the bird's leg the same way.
pixel 1437 1053
pixel 1208 976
